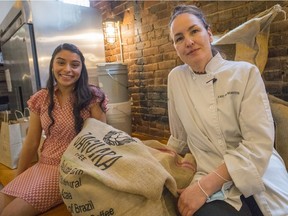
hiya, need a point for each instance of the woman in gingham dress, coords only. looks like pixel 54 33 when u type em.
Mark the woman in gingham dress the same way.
pixel 60 111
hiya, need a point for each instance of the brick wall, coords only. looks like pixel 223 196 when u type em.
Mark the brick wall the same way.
pixel 150 55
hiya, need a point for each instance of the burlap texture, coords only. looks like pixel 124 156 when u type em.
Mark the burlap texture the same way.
pixel 104 171
pixel 251 38
pixel 279 110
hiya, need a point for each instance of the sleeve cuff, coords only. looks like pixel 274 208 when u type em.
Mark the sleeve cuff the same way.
pixel 179 146
pixel 247 185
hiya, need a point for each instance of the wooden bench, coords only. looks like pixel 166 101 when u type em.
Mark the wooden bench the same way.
pixel 7 174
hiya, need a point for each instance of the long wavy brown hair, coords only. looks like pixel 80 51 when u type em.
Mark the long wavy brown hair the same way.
pixel 82 91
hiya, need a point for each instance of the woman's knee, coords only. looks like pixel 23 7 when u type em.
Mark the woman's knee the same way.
pixel 19 207
pixel 4 201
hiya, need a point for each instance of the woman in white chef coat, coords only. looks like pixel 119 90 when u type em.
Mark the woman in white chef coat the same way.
pixel 219 111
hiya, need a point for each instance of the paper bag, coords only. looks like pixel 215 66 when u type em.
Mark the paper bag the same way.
pixel 10 142
pixel 23 120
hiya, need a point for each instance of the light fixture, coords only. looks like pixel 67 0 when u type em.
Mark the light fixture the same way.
pixel 110 31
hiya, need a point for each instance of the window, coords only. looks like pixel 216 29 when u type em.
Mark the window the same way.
pixel 85 3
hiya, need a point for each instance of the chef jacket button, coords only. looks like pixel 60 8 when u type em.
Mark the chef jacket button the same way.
pixel 194 78
pixel 219 141
pixel 211 106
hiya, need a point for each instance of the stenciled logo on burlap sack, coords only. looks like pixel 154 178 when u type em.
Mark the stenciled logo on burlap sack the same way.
pixel 117 138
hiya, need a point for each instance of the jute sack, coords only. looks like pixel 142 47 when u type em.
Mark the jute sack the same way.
pixel 104 171
pixel 181 168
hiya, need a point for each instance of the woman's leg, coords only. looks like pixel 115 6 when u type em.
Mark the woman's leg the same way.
pixel 219 207
pixel 16 207
pixel 251 203
pixel 4 201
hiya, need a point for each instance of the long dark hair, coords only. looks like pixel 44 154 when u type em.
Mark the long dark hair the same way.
pixel 194 10
pixel 82 91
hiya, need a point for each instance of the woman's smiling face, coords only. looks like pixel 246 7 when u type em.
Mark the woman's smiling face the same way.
pixel 67 67
pixel 191 39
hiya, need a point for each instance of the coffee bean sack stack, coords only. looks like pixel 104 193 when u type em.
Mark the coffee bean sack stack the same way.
pixel 279 110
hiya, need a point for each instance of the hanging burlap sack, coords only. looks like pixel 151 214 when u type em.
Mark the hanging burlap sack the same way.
pixel 249 41
pixel 104 171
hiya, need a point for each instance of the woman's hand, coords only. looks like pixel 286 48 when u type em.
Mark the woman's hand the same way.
pixel 195 195
pixel 190 200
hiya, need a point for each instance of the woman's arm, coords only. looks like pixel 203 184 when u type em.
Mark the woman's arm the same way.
pixel 178 138
pixel 31 143
pixel 247 163
pixel 195 195
pixel 97 112
pixel 214 181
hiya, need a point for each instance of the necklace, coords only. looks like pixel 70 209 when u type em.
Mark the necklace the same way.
pixel 198 72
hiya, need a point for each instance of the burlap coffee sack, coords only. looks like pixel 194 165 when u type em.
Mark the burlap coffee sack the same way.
pixel 93 197
pixel 181 168
pixel 106 172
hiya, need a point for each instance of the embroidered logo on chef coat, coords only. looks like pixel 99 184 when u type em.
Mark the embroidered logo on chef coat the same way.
pixel 229 93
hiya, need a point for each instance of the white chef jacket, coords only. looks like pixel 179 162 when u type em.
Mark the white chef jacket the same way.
pixel 224 116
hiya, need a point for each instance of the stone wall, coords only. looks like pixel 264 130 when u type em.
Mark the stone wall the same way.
pixel 150 55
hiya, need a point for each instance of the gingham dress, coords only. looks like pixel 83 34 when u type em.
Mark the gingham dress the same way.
pixel 39 185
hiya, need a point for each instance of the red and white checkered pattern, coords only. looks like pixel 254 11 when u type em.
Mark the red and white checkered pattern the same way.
pixel 39 185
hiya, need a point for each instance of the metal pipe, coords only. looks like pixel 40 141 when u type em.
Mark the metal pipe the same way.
pixel 120 41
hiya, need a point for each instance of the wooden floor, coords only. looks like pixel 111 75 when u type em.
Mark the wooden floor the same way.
pixel 7 174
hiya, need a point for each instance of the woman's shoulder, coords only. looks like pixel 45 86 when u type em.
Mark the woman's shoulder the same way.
pixel 241 68
pixel 40 93
pixel 96 91
pixel 37 99
pixel 39 96
pixel 98 96
pixel 238 63
pixel 179 68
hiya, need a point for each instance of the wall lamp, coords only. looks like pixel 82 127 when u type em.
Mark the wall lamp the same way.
pixel 110 31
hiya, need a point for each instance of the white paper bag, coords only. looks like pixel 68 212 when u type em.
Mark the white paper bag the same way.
pixel 23 120
pixel 10 142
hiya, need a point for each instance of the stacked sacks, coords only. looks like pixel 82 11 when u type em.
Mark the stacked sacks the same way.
pixel 279 110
